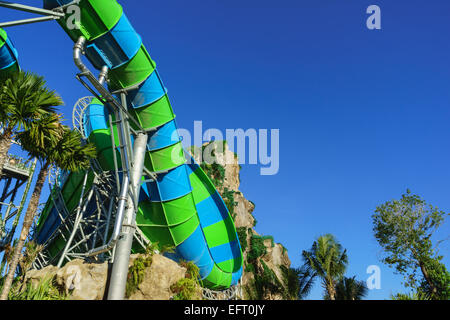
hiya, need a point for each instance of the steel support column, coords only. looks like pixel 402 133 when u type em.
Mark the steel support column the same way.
pixel 123 248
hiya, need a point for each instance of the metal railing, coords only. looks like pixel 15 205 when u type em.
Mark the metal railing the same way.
pixel 17 164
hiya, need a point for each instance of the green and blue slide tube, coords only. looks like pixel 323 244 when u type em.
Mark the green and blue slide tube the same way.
pixel 181 207
pixel 8 56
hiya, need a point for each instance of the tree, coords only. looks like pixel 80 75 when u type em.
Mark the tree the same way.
pixel 297 282
pixel 350 289
pixel 24 98
pixel 64 150
pixel 327 260
pixel 404 229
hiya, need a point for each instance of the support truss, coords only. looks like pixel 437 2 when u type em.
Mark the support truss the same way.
pixel 232 293
pixel 16 178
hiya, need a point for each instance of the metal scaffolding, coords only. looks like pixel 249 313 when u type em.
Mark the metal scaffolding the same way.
pixel 102 226
pixel 16 182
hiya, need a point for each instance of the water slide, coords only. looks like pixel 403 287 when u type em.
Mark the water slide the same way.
pixel 8 55
pixel 181 207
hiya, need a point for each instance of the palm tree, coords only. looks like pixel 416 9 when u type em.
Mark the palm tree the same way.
pixel 350 289
pixel 64 150
pixel 24 98
pixel 297 282
pixel 328 260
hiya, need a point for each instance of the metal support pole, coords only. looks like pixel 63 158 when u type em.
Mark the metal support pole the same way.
pixel 123 248
pixel 77 222
pixel 47 14
pixel 26 21
pixel 30 9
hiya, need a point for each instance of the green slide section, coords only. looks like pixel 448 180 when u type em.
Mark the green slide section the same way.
pixel 96 18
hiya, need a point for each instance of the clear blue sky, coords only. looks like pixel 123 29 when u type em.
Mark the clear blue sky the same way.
pixel 362 114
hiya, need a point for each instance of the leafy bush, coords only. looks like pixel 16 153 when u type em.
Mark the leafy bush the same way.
pixel 270 278
pixel 184 289
pixel 264 282
pixel 192 271
pixel 45 290
pixel 216 172
pixel 271 239
pixel 257 248
pixel 411 296
pixel 136 273
pixel 242 235
pixel 249 267
pixel 228 199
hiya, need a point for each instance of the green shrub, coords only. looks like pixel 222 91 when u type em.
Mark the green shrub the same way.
pixel 242 235
pixel 257 248
pixel 271 239
pixel 249 267
pixel 216 173
pixel 46 289
pixel 136 273
pixel 410 296
pixel 184 289
pixel 228 199
pixel 192 270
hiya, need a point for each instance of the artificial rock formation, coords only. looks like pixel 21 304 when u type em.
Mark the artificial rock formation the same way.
pixel 79 280
pixel 158 279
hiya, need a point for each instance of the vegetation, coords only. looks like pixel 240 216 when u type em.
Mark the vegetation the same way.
pixel 187 288
pixel 136 273
pixel 257 248
pixel 192 271
pixel 242 235
pixel 265 282
pixel 411 296
pixel 404 229
pixel 228 199
pixel 46 289
pixel 249 267
pixel 297 282
pixel 268 281
pixel 216 172
pixel 24 98
pixel 328 260
pixel 350 289
pixel 32 250
pixel 52 144
pixel 184 289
